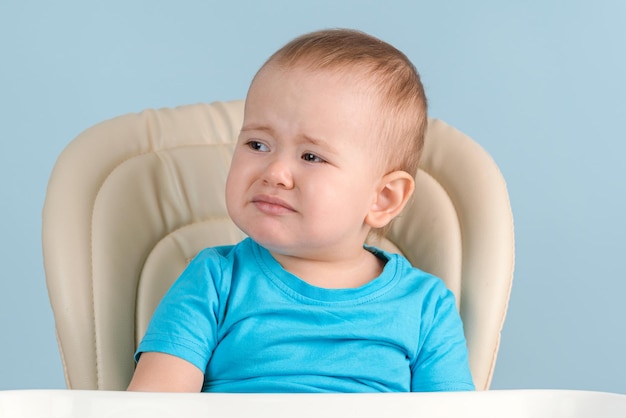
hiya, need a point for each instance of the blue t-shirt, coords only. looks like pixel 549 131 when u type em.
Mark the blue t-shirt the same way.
pixel 251 326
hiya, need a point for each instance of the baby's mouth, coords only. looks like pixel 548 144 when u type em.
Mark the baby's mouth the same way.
pixel 272 205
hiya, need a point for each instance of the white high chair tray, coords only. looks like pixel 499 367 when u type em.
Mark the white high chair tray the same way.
pixel 510 404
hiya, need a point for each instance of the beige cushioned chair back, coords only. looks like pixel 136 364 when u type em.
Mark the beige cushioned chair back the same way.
pixel 131 200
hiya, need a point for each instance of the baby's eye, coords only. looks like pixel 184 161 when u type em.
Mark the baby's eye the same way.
pixel 257 146
pixel 312 158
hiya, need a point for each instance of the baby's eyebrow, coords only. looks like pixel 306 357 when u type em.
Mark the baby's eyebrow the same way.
pixel 319 143
pixel 254 127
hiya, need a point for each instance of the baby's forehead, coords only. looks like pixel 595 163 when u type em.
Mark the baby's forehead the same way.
pixel 356 78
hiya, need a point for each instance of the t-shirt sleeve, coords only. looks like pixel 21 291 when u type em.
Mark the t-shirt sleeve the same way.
pixel 442 363
pixel 185 321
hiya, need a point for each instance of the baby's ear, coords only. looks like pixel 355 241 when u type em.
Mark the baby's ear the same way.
pixel 394 192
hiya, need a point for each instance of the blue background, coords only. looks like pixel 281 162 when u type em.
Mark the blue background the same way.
pixel 540 84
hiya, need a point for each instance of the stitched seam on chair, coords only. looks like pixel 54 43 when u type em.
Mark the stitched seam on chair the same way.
pixel 461 232
pixel 192 224
pixel 91 238
pixel 511 269
pixel 510 287
pixel 68 381
pixel 93 297
pixel 504 312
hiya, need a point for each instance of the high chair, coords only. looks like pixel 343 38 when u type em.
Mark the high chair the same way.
pixel 131 200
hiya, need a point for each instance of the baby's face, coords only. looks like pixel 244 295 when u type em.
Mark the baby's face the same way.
pixel 304 173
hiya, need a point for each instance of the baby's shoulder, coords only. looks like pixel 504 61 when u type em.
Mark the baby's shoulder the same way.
pixel 222 261
pixel 214 254
pixel 416 280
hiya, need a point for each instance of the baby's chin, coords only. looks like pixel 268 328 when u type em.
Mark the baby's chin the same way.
pixel 271 235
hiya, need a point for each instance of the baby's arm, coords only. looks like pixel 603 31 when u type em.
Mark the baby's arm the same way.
pixel 180 338
pixel 159 372
pixel 442 364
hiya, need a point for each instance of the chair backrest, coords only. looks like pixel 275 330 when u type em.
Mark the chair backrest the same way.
pixel 131 200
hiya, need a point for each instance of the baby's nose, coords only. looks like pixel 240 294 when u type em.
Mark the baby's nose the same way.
pixel 278 174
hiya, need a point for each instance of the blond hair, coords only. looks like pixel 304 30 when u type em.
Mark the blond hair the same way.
pixel 389 73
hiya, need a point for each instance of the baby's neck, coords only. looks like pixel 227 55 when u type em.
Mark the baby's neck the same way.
pixel 337 273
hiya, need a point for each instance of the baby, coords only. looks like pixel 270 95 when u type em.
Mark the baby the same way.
pixel 333 129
